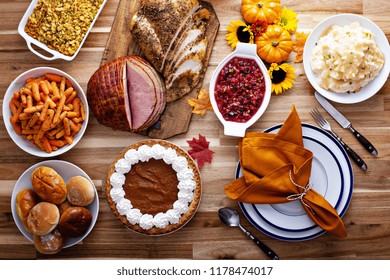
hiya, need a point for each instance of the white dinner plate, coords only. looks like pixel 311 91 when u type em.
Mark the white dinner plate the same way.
pixel 66 170
pixel 372 87
pixel 332 177
pixel 22 142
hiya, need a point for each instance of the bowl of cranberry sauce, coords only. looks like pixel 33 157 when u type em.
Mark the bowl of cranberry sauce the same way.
pixel 240 89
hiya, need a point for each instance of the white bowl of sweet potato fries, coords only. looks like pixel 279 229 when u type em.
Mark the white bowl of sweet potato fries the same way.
pixel 45 111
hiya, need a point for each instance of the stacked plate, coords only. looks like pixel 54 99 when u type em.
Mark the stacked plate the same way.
pixel 332 177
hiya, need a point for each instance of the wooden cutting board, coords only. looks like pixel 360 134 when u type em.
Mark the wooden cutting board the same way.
pixel 177 115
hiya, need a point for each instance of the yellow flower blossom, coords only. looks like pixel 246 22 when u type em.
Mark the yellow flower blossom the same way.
pixel 239 31
pixel 282 77
pixel 288 20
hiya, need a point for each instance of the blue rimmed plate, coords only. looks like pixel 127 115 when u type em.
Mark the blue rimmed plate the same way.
pixel 331 175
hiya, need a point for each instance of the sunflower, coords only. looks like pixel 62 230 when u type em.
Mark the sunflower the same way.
pixel 282 77
pixel 239 32
pixel 288 20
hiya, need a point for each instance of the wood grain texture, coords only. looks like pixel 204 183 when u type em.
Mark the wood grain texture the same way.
pixel 205 237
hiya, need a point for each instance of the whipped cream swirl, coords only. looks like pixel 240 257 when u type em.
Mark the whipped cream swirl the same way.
pixel 117 180
pixel 186 186
pixel 134 216
pixel 122 166
pixel 123 206
pixel 117 194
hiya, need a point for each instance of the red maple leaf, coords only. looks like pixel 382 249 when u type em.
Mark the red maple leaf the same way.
pixel 200 150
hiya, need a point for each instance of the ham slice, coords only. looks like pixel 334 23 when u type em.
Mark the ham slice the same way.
pixel 160 92
pixel 126 94
pixel 143 97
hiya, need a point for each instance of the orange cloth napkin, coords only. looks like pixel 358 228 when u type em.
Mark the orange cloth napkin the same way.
pixel 276 169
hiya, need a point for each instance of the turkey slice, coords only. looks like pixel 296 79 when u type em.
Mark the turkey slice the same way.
pixel 183 80
pixel 195 30
pixel 196 48
pixel 165 18
pixel 178 33
pixel 147 38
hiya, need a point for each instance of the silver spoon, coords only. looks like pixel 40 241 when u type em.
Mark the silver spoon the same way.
pixel 231 218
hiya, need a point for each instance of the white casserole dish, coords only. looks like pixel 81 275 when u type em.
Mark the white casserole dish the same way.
pixel 32 41
pixel 231 128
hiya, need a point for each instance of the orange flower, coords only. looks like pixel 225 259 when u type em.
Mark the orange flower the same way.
pixel 259 27
pixel 299 44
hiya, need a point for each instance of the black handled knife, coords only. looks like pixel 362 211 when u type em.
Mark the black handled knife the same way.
pixel 356 158
pixel 344 122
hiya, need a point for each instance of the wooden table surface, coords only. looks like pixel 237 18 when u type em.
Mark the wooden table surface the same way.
pixel 367 220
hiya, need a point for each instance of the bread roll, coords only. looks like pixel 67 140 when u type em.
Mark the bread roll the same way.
pixel 63 206
pixel 50 243
pixel 81 191
pixel 25 200
pixel 48 184
pixel 75 221
pixel 43 218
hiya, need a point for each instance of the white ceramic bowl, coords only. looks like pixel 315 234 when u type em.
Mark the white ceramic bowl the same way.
pixel 243 50
pixel 32 41
pixel 25 144
pixel 66 170
pixel 380 38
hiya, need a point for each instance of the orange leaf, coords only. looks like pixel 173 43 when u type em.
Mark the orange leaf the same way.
pixel 299 44
pixel 202 103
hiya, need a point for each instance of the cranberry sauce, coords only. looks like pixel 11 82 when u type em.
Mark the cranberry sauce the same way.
pixel 239 90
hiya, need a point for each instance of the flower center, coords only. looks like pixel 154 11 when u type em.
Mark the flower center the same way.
pixel 278 76
pixel 243 36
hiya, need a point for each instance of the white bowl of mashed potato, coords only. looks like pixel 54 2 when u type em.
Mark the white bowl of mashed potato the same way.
pixel 346 58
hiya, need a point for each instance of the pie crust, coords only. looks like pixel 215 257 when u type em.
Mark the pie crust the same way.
pixel 192 207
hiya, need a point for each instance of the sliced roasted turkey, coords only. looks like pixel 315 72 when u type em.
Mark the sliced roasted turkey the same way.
pixel 193 30
pixel 168 33
pixel 157 24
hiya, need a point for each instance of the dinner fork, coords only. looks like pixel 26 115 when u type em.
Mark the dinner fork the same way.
pixel 325 125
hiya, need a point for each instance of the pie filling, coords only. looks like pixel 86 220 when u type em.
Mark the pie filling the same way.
pixel 152 186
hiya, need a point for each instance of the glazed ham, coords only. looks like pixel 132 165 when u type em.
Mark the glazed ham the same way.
pixel 126 94
pixel 172 36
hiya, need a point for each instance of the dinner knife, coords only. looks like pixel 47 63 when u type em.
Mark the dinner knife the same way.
pixel 344 122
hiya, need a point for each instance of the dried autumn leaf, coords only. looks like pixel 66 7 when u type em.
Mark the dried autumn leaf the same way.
pixel 299 44
pixel 202 103
pixel 200 150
